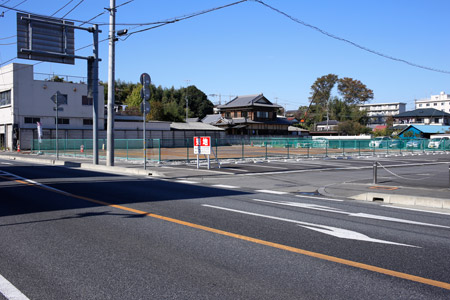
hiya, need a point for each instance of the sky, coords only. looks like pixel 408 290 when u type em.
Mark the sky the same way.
pixel 249 48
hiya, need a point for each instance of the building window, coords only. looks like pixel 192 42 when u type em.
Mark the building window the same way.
pixel 428 104
pixel 63 121
pixel 5 98
pixel 85 100
pixel 436 120
pixel 262 114
pixel 88 122
pixel 435 104
pixel 420 105
pixel 244 114
pixel 31 120
pixel 235 114
pixel 228 115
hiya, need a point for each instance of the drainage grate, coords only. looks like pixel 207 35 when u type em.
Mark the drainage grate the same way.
pixel 377 199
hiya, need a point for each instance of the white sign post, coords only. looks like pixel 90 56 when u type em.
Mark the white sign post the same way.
pixel 202 145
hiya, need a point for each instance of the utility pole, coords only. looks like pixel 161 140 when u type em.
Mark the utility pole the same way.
pixel 111 85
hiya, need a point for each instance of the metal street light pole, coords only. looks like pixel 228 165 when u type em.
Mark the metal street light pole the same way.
pixel 111 85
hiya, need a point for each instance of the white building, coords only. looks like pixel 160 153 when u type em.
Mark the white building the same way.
pixel 439 102
pixel 378 112
pixel 25 101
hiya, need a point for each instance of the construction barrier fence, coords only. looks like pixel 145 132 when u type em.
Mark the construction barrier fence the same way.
pixel 236 148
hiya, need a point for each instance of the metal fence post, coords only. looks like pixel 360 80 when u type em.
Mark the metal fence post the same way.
pixel 159 150
pixel 287 145
pixel 242 148
pixel 375 179
pixel 187 150
pixel 265 143
pixel 127 149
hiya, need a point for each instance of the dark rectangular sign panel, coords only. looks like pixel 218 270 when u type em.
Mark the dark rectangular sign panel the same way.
pixel 45 39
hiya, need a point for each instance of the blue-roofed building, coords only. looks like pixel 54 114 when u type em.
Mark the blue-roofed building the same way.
pixel 422 131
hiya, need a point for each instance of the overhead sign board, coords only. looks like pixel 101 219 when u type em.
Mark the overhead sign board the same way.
pixel 202 145
pixel 45 39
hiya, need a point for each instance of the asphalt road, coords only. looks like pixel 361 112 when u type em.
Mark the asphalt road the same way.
pixel 300 175
pixel 74 234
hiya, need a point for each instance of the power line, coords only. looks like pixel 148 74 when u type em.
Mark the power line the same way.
pixel 8 37
pixel 72 9
pixel 70 1
pixel 12 8
pixel 174 20
pixel 350 42
pixel 30 13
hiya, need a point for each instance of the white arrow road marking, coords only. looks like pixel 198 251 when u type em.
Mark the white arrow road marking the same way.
pixel 351 235
pixel 337 232
pixel 10 291
pixel 339 211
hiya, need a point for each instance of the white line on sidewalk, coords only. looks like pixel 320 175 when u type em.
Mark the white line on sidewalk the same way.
pixel 10 291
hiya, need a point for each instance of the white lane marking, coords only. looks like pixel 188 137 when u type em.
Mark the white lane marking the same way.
pixel 271 192
pixel 336 232
pixel 415 209
pixel 235 169
pixel 10 291
pixel 226 186
pixel 260 166
pixel 321 198
pixel 339 211
pixel 5 163
pixel 187 181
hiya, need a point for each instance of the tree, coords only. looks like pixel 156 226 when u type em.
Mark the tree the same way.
pixel 321 89
pixel 354 91
pixel 350 127
pixel 134 98
pixel 323 104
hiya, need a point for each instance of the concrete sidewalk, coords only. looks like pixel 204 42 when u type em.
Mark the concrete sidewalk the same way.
pixel 415 196
pixel 366 191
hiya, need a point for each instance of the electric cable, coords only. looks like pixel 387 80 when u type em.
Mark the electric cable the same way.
pixel 72 9
pixel 70 1
pixel 350 42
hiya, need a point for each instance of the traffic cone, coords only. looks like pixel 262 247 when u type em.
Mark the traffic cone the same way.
pixel 18 147
pixel 82 148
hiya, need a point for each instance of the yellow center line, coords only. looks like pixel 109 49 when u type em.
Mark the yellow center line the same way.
pixel 338 260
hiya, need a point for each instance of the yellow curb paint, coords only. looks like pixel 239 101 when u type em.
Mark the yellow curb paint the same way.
pixel 342 261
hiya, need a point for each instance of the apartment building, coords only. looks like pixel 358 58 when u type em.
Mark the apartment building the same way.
pixel 440 102
pixel 378 112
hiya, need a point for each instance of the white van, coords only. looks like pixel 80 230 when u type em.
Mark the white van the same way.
pixel 439 142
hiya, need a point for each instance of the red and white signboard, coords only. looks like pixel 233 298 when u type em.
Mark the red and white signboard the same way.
pixel 202 145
